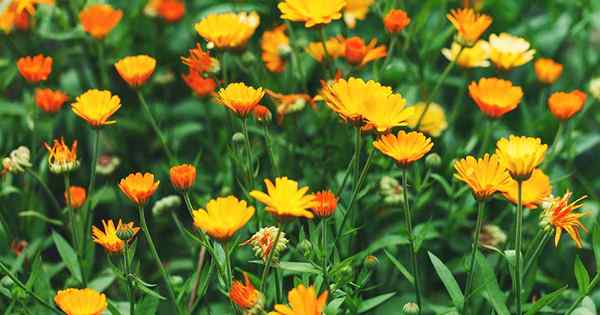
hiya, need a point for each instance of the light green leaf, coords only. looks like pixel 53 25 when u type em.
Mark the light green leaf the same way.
pixel 372 303
pixel 299 267
pixel 581 275
pixel 449 281
pixel 400 267
pixel 545 300
pixel 68 255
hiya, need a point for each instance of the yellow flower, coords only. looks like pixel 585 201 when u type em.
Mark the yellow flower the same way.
pixel 520 155
pixel 469 24
pixel 302 301
pixel 285 199
pixel 495 97
pixel 470 57
pixel 356 10
pixel 29 5
pixel 108 238
pixel 223 217
pixel 485 176
pixel 336 47
pixel 547 70
pixel 81 301
pixel 135 70
pixel 560 216
pixel 240 98
pixel 433 123
pixel 96 107
pixel 274 45
pixel 564 105
pixel 508 51
pixel 139 187
pixel 228 30
pixel 60 158
pixel 405 148
pixel 311 12
pixel 534 191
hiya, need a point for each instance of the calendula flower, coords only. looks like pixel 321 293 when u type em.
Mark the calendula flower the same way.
pixel 311 12
pixel 50 101
pixel 336 47
pixel 35 69
pixel 198 60
pixel 223 217
pixel 561 216
pixel 285 199
pixel 547 70
pixel 200 85
pixel 96 107
pixel 433 123
pixel 136 70
pixel 77 196
pixel 485 176
pixel 470 57
pixel 60 158
pixel 469 24
pixel 240 98
pixel 171 10
pixel 81 301
pixel 263 242
pixel 262 113
pixel 29 5
pixel 520 155
pixel 289 103
pixel 565 105
pixel 139 187
pixel 508 51
pixel 245 295
pixel 326 204
pixel 302 301
pixel 358 54
pixel 108 238
pixel 495 97
pixel 99 19
pixel 356 10
pixel 17 161
pixel 8 15
pixel 535 190
pixel 182 176
pixel 396 21
pixel 275 44
pixel 228 30
pixel 404 148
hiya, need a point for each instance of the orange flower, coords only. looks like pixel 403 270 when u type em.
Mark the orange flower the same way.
pixel 303 301
pixel 469 24
pixel 139 187
pixel 326 203
pixel 246 296
pixel 396 21
pixel 199 60
pixel 109 238
pixel 50 101
pixel 534 191
pixel 171 10
pixel 336 48
pixel 405 148
pixel 182 176
pixel 77 195
pixel 81 301
pixel 200 85
pixel 289 103
pixel 357 53
pixel 559 215
pixel 262 113
pixel 240 98
pixel 96 107
pixel 28 6
pixel 99 19
pixel 495 97
pixel 35 69
pixel 564 105
pixel 547 70
pixel 135 70
pixel 61 159
pixel 274 45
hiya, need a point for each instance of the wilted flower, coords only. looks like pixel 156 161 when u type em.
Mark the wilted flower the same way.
pixel 182 176
pixel 336 47
pixel 547 70
pixel 166 204
pixel 136 70
pixel 99 19
pixel 245 295
pixel 520 155
pixel 356 10
pixel 50 101
pixel 469 24
pixel 240 98
pixel 565 105
pixel 326 203
pixel 35 68
pixel 391 190
pixel 108 238
pixel 289 103
pixel 96 107
pixel 485 176
pixel 107 164
pixel 200 85
pixel 508 51
pixel 560 216
pixel 359 54
pixel 263 242
pixel 495 97
pixel 470 57
pixel 433 123
pixel 285 199
pixel 395 21
pixel 311 12
pixel 275 45
pixel 75 197
pixel 139 187
pixel 302 301
pixel 405 148
pixel 223 217
pixel 17 161
pixel 81 301
pixel 491 236
pixel 228 30
pixel 61 159
pixel 534 191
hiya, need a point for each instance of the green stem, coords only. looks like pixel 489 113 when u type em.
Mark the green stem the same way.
pixel 295 60
pixel 263 278
pixel 518 240
pixel 188 204
pixel 88 215
pixel 329 61
pixel 536 253
pixel 249 155
pixel 485 139
pixel 129 281
pixel 324 250
pixel 161 137
pixel 199 265
pixel 393 41
pixel 102 64
pixel 269 143
pixel 582 296
pixel 555 143
pixel 471 271
pixel 6 270
pixel 409 228
pixel 46 188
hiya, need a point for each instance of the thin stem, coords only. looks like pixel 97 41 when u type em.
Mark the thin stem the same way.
pixel 329 61
pixel 102 64
pixel 88 215
pixel 393 41
pixel 249 154
pixel 199 265
pixel 45 187
pixel 346 176
pixel 295 60
pixel 468 287
pixel 324 250
pixel 582 296
pixel 538 250
pixel 357 147
pixel 161 137
pixel 485 140
pixel 188 204
pixel 518 239
pixel 269 143
pixel 555 143
pixel 228 273
pixel 408 221
pixel 270 257
pixel 129 282
pixel 7 271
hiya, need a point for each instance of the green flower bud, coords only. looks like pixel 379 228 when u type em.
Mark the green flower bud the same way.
pixel 433 160
pixel 238 138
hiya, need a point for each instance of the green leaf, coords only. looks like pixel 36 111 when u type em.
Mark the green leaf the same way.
pixel 299 267
pixel 143 286
pixel 334 306
pixel 372 303
pixel 492 290
pixel 545 300
pixel 596 241
pixel 68 255
pixel 103 281
pixel 113 309
pixel 581 275
pixel 450 283
pixel 37 215
pixel 400 267
pixel 147 305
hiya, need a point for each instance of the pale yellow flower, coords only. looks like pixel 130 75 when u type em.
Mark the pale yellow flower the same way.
pixel 470 57
pixel 508 51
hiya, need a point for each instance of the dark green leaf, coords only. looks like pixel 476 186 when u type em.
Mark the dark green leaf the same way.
pixel 545 300
pixel 400 267
pixel 581 275
pixel 450 283
pixel 68 255
pixel 371 303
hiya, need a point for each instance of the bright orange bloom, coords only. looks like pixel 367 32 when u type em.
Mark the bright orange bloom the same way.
pixel 560 216
pixel 405 148
pixel 326 203
pixel 289 103
pixel 77 195
pixel 535 190
pixel 60 158
pixel 302 301
pixel 139 187
pixel 135 70
pixel 520 155
pixel 469 24
pixel 198 60
pixel 245 295
pixel 285 199
pixel 108 238
pixel 22 21
pixel 50 101
pixel 274 45
pixel 547 70
pixel 200 85
pixel 485 176
pixel 223 217
pixel 81 301
pixel 311 12
pixel 96 107
pixel 495 97
pixel 35 69
pixel 565 105
pixel 336 48
pixel 240 98
pixel 99 19
pixel 171 10
pixel 182 176
pixel 357 53
pixel 395 21
pixel 262 113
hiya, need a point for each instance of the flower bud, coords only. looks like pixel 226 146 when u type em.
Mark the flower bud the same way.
pixel 433 160
pixel 410 309
pixel 77 196
pixel 262 243
pixel 326 204
pixel 107 164
pixel 491 235
pixel 18 160
pixel 371 262
pixel 306 247
pixel 238 138
pixel 262 113
pixel 165 205
pixel 248 57
pixel 182 176
pixel 125 233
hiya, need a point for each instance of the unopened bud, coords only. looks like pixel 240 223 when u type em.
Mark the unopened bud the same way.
pixel 306 247
pixel 433 160
pixel 371 262
pixel 410 309
pixel 238 138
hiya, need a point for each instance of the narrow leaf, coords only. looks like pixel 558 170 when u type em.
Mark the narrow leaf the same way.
pixel 68 256
pixel 449 281
pixel 545 300
pixel 400 267
pixel 596 241
pixel 581 275
pixel 372 303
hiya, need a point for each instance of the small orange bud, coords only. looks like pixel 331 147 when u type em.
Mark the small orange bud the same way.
pixel 78 197
pixel 262 113
pixel 564 105
pixel 182 176
pixel 355 50
pixel 395 21
pixel 326 203
pixel 245 294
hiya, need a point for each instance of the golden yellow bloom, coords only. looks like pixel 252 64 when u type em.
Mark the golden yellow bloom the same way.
pixel 139 188
pixel 246 296
pixel 356 10
pixel 99 19
pixel 223 217
pixel 534 191
pixel 547 70
pixel 565 105
pixel 485 176
pixel 81 301
pixel 135 70
pixel 508 51
pixel 560 216
pixel 240 98
pixel 182 176
pixel 228 30
pixel 520 155
pixel 311 12
pixel 302 301
pixel 96 107
pixel 60 158
pixel 433 123
pixel 470 57
pixel 495 97
pixel 285 199
pixel 359 54
pixel 275 44
pixel 108 238
pixel 404 148
pixel 336 47
pixel 469 24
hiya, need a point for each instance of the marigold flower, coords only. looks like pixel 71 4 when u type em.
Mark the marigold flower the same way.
pixel 99 19
pixel 228 30
pixel 81 301
pixel 246 296
pixel 240 98
pixel 108 238
pixel 302 301
pixel 35 68
pixel 29 5
pixel 547 70
pixel 96 107
pixel 358 54
pixel 262 113
pixel 470 57
pixel 77 196
pixel 336 47
pixel 17 161
pixel 139 187
pixel 395 21
pixel 485 176
pixel 182 176
pixel 274 45
pixel 495 97
pixel 285 199
pixel 289 103
pixel 60 158
pixel 560 216
pixel 520 155
pixel 50 101
pixel 171 10
pixel 469 24
pixel 223 217
pixel 198 60
pixel 565 105
pixel 311 12
pixel 200 85
pixel 534 190
pixel 405 148
pixel 136 70
pixel 326 203
pixel 263 242
pixel 508 51
pixel 433 123
pixel 356 10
